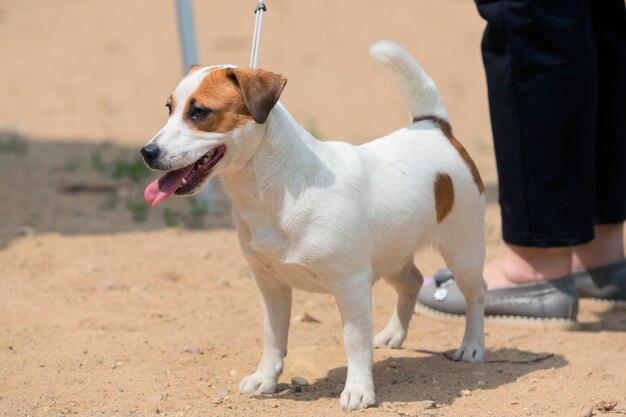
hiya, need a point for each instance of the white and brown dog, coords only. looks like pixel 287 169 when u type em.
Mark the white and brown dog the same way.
pixel 329 216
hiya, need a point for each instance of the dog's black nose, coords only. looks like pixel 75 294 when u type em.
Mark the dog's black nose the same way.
pixel 150 152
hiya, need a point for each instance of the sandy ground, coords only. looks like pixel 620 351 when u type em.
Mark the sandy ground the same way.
pixel 110 309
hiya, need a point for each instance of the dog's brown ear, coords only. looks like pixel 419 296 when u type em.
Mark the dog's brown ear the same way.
pixel 260 90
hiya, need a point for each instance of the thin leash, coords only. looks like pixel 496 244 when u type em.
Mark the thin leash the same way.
pixel 256 40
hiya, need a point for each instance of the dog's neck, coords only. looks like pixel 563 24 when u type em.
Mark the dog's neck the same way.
pixel 283 167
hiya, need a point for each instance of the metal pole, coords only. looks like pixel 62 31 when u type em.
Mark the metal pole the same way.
pixel 187 32
pixel 256 38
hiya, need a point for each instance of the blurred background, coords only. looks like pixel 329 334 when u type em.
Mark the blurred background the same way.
pixel 83 85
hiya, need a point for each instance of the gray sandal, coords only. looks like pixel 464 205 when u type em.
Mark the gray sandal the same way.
pixel 605 283
pixel 552 303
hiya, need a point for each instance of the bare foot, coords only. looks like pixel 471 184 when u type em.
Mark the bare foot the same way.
pixel 522 265
pixel 606 248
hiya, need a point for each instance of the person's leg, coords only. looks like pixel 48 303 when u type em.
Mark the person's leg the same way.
pixel 541 66
pixel 606 248
pixel 609 19
pixel 523 265
pixel 542 93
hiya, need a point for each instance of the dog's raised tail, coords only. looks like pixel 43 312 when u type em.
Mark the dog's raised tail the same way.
pixel 418 89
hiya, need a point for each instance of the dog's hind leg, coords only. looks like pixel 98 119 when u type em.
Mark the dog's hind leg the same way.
pixel 276 305
pixel 465 257
pixel 407 283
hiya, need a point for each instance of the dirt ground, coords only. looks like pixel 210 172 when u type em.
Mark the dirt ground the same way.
pixel 108 308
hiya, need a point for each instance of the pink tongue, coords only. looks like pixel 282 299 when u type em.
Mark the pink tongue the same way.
pixel 160 189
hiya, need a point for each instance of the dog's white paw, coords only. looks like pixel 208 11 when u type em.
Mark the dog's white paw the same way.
pixel 390 339
pixel 258 383
pixel 357 396
pixel 470 351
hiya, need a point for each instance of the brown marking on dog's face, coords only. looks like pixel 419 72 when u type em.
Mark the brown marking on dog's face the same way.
pixel 216 105
pixel 230 98
pixel 447 131
pixel 444 195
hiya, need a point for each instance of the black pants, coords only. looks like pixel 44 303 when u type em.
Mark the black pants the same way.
pixel 556 74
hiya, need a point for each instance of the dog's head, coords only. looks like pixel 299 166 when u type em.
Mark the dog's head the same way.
pixel 216 122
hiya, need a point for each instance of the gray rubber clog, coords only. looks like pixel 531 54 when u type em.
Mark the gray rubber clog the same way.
pixel 606 283
pixel 551 303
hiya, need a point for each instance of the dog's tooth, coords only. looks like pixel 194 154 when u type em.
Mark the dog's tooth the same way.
pixel 184 181
pixel 205 160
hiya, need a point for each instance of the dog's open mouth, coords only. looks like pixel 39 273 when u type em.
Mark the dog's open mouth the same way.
pixel 184 180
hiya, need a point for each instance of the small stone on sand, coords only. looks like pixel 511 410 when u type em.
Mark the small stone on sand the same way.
pixel 298 380
pixel 428 404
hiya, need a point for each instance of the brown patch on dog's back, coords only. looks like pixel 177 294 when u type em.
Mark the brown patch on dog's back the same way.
pixel 218 93
pixel 446 129
pixel 444 195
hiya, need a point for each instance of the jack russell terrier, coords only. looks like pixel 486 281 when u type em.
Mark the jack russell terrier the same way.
pixel 329 216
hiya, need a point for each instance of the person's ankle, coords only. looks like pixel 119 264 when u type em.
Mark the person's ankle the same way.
pixel 606 248
pixel 523 265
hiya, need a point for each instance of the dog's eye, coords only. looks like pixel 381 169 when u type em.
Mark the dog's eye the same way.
pixel 198 113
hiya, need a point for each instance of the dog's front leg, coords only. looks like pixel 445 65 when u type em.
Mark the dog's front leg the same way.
pixel 276 306
pixel 353 297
